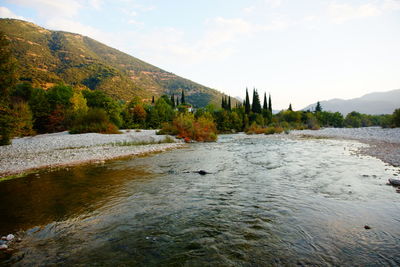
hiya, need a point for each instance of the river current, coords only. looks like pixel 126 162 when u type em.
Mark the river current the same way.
pixel 268 201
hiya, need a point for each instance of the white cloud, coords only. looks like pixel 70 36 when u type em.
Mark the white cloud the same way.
pixel 391 5
pixel 135 22
pixel 223 30
pixel 6 13
pixel 95 3
pixel 249 9
pixel 340 13
pixel 218 42
pixel 74 26
pixel 273 3
pixel 52 8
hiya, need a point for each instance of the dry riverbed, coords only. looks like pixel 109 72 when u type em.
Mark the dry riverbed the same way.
pixel 382 143
pixel 64 149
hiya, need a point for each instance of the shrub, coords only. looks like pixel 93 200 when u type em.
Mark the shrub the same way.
pixel 185 126
pixel 96 121
pixel 396 118
pixel 255 129
pixel 273 130
pixel 22 116
pixel 7 125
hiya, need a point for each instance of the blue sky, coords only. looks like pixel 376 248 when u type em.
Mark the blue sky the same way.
pixel 300 51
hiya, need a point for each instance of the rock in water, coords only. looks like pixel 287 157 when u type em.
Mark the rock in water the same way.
pixel 10 237
pixel 201 172
pixel 367 227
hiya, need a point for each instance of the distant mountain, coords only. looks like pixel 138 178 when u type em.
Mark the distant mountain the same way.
pixel 373 103
pixel 48 57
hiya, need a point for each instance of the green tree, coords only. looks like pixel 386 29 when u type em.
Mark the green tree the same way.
pixel 229 103
pixel 247 106
pixel 60 95
pixel 78 102
pixel 265 104
pixel 183 97
pixel 40 108
pixel 7 82
pixel 270 103
pixel 98 99
pixel 290 107
pixel 173 101
pixel 318 108
pixel 165 111
pixel 353 119
pixel 22 92
pixel 256 105
pixel 396 118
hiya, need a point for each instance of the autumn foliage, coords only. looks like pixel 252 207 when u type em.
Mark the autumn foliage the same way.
pixel 187 127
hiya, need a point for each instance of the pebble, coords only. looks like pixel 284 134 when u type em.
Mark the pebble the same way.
pixel 367 227
pixel 50 150
pixel 382 143
pixel 10 237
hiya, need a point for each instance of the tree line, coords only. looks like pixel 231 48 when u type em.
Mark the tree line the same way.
pixel 25 110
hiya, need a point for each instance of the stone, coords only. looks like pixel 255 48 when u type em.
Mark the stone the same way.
pixel 367 227
pixel 10 237
pixel 3 247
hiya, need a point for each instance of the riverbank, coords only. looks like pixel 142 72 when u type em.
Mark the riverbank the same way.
pixel 64 149
pixel 383 143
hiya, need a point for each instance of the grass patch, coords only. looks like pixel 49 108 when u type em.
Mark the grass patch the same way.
pixel 166 140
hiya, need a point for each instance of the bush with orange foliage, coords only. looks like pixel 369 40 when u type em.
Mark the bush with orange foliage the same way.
pixel 187 127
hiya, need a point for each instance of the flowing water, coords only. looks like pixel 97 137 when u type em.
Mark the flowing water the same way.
pixel 268 201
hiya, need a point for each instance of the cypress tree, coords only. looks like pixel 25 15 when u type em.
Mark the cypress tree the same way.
pixel 270 103
pixel 229 103
pixel 265 105
pixel 318 108
pixel 183 98
pixel 223 105
pixel 290 107
pixel 247 103
pixel 152 99
pixel 177 101
pixel 256 107
pixel 173 100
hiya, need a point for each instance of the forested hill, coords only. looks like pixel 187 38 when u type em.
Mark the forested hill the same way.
pixel 49 57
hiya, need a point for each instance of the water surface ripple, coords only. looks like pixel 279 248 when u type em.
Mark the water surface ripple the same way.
pixel 268 201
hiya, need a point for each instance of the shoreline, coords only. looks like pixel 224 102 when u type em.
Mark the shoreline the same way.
pixel 383 144
pixel 60 150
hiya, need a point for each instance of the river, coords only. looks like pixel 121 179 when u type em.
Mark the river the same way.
pixel 268 200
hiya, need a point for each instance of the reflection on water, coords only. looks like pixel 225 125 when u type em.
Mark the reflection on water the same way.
pixel 269 201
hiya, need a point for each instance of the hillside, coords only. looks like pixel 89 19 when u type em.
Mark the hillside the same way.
pixel 373 103
pixel 48 57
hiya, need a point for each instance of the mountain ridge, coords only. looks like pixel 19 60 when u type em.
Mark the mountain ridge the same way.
pixel 49 57
pixel 374 103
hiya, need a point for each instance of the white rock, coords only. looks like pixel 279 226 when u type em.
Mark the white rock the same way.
pixel 3 247
pixel 10 237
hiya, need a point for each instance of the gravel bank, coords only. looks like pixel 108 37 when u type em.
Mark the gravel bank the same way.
pixel 383 143
pixel 62 149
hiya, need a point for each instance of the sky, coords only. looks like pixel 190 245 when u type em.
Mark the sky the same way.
pixel 299 51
